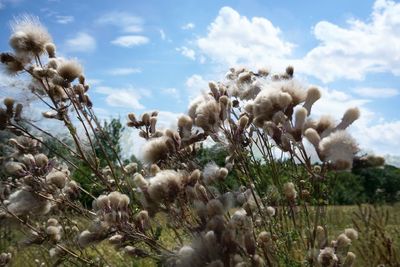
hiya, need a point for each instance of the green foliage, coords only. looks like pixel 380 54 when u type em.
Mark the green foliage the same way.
pixel 381 184
pixel 108 145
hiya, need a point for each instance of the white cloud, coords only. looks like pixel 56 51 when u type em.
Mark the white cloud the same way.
pixel 382 138
pixel 124 71
pixel 233 39
pixel 130 40
pixel 188 26
pixel 124 21
pixel 83 42
pixel 121 97
pixel 162 34
pixel 172 92
pixel 4 3
pixel 64 19
pixel 196 85
pixel 187 52
pixel 342 52
pixel 360 48
pixel 376 92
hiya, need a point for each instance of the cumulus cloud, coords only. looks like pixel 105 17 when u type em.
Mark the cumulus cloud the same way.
pixel 83 42
pixel 376 92
pixel 233 39
pixel 359 48
pixel 187 52
pixel 126 22
pixel 130 40
pixel 188 26
pixel 124 71
pixel 121 97
pixel 196 85
pixel 342 52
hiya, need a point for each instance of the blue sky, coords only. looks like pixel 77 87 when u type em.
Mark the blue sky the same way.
pixel 145 55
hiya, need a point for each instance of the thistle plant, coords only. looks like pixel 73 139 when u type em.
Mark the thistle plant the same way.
pixel 276 216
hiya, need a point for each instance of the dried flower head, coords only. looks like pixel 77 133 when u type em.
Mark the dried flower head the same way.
pixel 69 70
pixel 29 35
pixel 339 148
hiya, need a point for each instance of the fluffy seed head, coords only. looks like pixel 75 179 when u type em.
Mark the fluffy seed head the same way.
pixel 351 115
pixel 289 191
pixel 57 178
pixel 29 35
pixel 86 238
pixel 41 160
pixel 270 211
pixel 339 148
pixel 51 50
pixel 343 241
pixel 69 70
pixel 312 136
pixel 351 233
pixel 350 259
pixel 140 182
pixel 327 257
pixel 313 94
pixel 243 122
pixel 300 118
pixel 215 207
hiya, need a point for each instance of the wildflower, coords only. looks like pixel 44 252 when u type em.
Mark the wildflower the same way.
pixel 51 50
pixel 213 173
pixel 343 241
pixel 86 238
pixel 313 94
pixel 139 181
pixel 258 261
pixel 339 148
pixel 312 136
pixel 15 168
pixel 289 191
pixel 350 259
pixel 270 211
pixel 351 233
pixel 214 207
pixel 186 252
pixel 54 232
pixel 301 115
pixel 320 236
pixel 131 167
pixel 41 160
pixel 29 35
pixel 165 185
pixel 351 115
pixel 5 258
pixel 56 252
pixel 23 202
pixel 57 178
pixel 116 239
pixel 327 257
pixel 69 70
pixel 206 115
pixel 158 148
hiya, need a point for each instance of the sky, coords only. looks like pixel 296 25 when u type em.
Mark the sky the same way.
pixel 157 55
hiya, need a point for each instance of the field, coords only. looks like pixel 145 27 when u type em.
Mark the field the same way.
pixel 339 218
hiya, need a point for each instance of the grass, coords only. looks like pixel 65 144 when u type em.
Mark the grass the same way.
pixel 339 218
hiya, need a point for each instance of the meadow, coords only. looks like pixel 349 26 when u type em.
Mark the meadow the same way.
pixel 266 197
